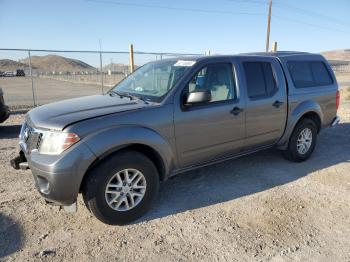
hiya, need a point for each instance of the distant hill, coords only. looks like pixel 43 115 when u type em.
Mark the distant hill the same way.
pixel 55 63
pixel 11 65
pixel 341 54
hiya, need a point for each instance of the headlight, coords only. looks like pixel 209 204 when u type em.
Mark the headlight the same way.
pixel 54 143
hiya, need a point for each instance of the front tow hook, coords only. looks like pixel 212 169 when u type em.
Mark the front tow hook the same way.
pixel 19 162
pixel 23 165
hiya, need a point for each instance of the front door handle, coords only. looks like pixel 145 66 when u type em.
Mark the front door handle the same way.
pixel 277 104
pixel 236 111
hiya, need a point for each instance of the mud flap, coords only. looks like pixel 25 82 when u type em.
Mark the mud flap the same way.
pixel 71 208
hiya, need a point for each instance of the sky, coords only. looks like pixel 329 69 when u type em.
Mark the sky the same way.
pixel 192 26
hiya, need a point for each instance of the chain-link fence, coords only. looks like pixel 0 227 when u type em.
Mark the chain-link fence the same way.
pixel 340 66
pixel 35 77
pixel 341 69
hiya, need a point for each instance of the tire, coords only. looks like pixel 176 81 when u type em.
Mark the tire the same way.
pixel 95 192
pixel 292 153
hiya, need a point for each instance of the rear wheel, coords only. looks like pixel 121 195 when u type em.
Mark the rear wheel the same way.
pixel 302 141
pixel 122 188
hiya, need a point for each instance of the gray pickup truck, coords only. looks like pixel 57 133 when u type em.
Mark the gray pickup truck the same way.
pixel 172 116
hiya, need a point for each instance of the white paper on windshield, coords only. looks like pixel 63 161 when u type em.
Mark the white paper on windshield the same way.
pixel 184 63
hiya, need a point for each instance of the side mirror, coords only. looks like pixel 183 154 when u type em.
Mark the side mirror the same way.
pixel 197 97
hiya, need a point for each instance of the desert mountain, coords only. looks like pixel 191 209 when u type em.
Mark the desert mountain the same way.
pixel 55 63
pixel 342 54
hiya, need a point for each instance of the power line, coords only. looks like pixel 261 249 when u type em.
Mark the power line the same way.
pixel 174 8
pixel 279 4
pixel 196 10
pixel 283 18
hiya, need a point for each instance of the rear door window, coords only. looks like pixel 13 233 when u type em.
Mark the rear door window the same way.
pixel 260 79
pixel 309 73
pixel 269 78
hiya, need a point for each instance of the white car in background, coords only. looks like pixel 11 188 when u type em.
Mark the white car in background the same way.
pixel 9 74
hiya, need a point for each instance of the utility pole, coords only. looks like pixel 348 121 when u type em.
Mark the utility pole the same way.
pixel 268 27
pixel 131 53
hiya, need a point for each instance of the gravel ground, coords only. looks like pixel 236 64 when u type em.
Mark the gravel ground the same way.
pixel 18 90
pixel 260 207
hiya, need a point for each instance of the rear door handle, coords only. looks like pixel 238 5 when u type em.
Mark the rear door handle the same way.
pixel 277 104
pixel 236 111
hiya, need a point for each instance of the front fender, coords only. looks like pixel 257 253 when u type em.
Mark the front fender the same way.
pixel 107 141
pixel 294 115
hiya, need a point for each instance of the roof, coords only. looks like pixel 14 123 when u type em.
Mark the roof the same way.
pixel 278 54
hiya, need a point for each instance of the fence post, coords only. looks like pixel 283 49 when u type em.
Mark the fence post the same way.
pixel 31 77
pixel 101 72
pixel 274 47
pixel 131 49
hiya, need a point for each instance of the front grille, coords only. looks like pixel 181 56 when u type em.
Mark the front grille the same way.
pixel 31 137
pixel 38 143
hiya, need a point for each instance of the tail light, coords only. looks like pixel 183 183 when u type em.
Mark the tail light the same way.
pixel 337 99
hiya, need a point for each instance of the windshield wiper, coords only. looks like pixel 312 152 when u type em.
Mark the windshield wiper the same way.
pixel 137 98
pixel 121 95
pixel 128 95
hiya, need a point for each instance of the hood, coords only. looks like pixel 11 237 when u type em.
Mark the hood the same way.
pixel 58 115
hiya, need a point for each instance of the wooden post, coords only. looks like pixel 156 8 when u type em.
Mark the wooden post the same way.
pixel 268 27
pixel 274 47
pixel 131 50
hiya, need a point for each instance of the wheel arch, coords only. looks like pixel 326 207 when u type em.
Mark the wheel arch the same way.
pixel 146 141
pixel 148 151
pixel 312 116
pixel 307 109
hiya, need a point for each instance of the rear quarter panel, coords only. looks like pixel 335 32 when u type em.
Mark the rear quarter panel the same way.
pixel 318 99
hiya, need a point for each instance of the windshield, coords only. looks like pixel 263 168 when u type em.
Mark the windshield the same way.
pixel 153 80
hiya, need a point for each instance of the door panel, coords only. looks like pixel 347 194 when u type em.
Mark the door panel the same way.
pixel 265 114
pixel 206 133
pixel 213 130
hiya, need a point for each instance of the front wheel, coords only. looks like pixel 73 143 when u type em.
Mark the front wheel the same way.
pixel 122 188
pixel 302 141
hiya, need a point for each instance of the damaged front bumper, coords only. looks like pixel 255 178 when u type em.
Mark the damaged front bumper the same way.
pixel 57 177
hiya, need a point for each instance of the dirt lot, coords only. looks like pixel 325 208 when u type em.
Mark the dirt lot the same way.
pixel 18 90
pixel 259 207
